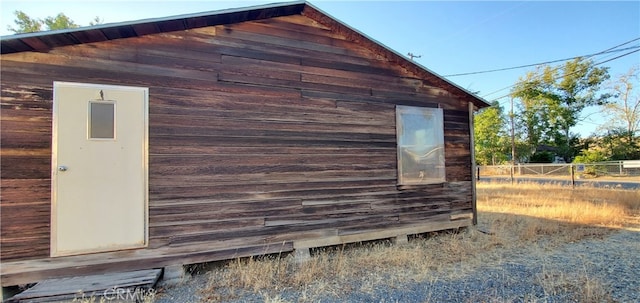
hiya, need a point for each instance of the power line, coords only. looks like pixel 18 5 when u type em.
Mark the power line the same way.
pixel 541 63
pixel 608 50
pixel 558 67
pixel 596 64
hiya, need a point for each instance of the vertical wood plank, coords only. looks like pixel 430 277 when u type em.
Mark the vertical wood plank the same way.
pixel 473 165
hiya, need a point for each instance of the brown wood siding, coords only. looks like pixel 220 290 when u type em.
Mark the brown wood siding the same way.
pixel 25 161
pixel 259 132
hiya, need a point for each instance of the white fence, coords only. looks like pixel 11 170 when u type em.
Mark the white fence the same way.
pixel 629 168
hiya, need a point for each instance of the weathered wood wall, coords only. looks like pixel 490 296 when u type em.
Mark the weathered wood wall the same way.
pixel 260 132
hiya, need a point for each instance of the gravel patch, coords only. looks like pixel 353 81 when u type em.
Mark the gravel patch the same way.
pixel 187 291
pixel 568 273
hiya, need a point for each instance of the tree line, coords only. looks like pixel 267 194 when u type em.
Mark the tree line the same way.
pixel 548 103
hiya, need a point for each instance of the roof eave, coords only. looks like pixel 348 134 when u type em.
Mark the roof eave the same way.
pixel 43 41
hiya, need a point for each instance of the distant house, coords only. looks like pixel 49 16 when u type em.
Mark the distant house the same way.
pixel 217 135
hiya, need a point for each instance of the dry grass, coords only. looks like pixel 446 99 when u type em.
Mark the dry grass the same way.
pixel 532 217
pixel 555 213
pixel 585 205
pixel 581 286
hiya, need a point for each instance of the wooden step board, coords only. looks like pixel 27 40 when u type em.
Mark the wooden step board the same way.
pixel 127 286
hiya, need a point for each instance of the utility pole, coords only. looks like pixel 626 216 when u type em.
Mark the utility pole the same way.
pixel 513 142
pixel 411 56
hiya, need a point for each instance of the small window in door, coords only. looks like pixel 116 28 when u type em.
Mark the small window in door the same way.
pixel 102 120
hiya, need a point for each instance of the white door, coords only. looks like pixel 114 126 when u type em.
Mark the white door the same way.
pixel 99 168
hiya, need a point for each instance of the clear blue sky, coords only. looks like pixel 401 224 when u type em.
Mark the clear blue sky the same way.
pixel 452 37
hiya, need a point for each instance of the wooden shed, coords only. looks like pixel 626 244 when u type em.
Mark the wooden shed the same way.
pixel 218 135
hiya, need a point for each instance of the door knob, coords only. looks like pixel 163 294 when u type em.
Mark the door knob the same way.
pixel 62 168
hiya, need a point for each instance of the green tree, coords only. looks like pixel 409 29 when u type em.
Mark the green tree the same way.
pixel 559 95
pixel 590 156
pixel 619 145
pixel 61 21
pixel 609 145
pixel 490 137
pixel 26 24
pixel 532 118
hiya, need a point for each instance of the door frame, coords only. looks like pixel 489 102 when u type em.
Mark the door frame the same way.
pixel 54 164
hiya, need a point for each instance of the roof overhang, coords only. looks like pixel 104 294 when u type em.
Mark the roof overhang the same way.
pixel 44 41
